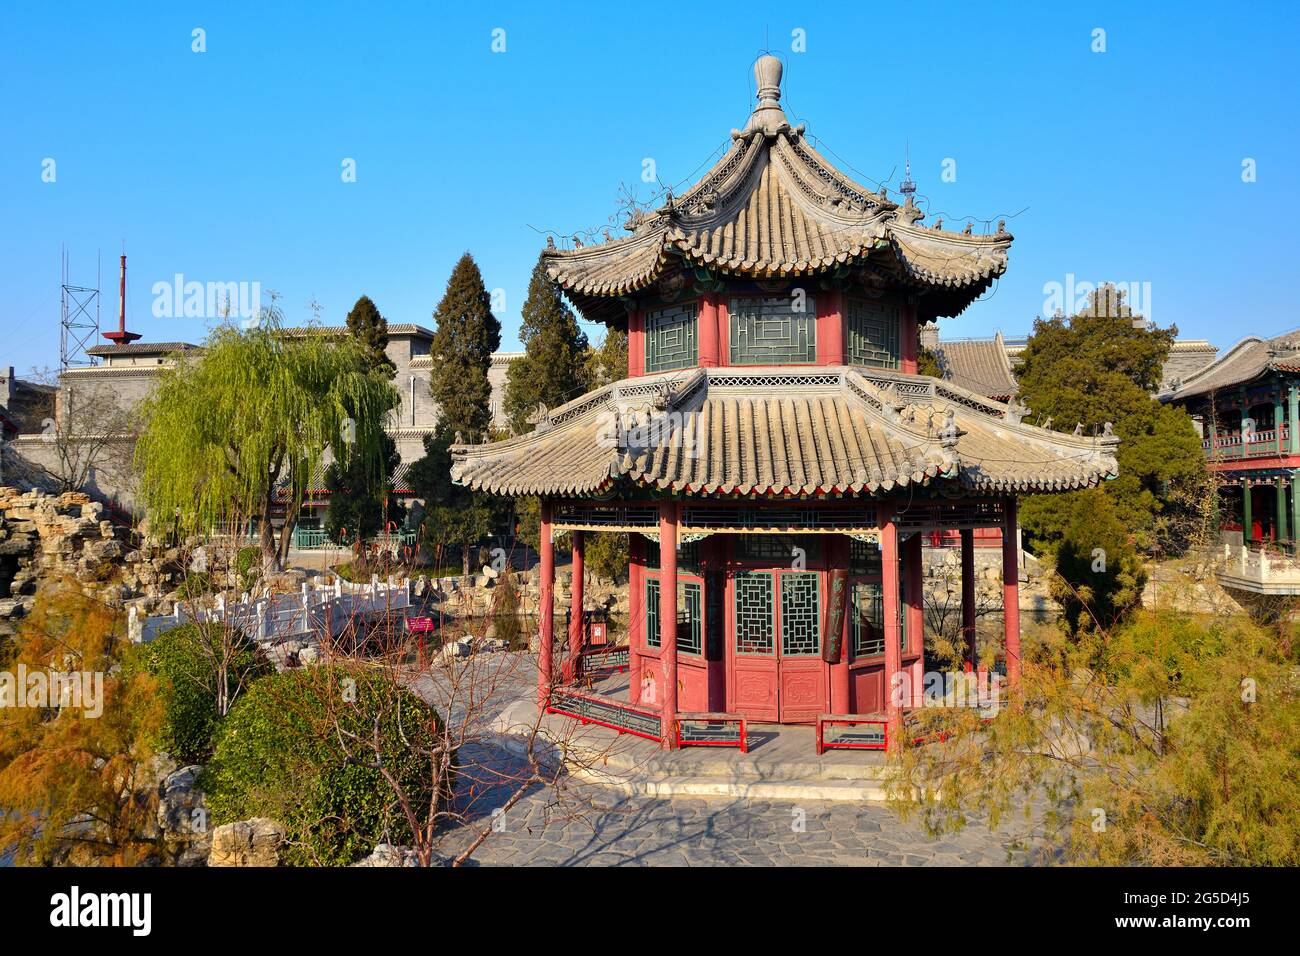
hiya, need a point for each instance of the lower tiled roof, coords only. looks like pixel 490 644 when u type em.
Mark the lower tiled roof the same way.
pixel 780 431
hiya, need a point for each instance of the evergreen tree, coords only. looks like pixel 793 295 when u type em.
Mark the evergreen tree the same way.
pixel 467 334
pixel 1102 366
pixel 371 330
pixel 361 498
pixel 553 368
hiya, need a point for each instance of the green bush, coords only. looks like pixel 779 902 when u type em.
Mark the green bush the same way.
pixel 196 584
pixel 296 748
pixel 189 684
pixel 248 567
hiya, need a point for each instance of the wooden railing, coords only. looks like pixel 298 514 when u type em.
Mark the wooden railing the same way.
pixel 1258 444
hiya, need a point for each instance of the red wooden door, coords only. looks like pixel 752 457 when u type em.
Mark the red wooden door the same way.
pixel 777 671
pixel 754 684
pixel 802 692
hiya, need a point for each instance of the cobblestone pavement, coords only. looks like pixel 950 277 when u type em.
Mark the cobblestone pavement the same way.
pixel 593 826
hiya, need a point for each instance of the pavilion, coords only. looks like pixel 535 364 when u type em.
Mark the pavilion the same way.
pixel 773 453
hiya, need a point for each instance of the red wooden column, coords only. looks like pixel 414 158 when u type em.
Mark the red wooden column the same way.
pixel 635 615
pixel 710 356
pixel 908 342
pixel 575 606
pixel 840 671
pixel 830 327
pixel 913 596
pixel 1011 591
pixel 668 621
pixel 635 343
pixel 968 597
pixel 893 655
pixel 545 609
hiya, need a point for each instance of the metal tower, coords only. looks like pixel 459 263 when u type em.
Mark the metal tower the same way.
pixel 78 328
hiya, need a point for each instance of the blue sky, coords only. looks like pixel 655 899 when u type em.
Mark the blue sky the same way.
pixel 226 165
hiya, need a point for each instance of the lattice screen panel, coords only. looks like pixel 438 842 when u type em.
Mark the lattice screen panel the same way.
pixel 769 331
pixel 652 612
pixel 800 615
pixel 690 632
pixel 755 627
pixel 670 339
pixel 872 334
pixel 867 620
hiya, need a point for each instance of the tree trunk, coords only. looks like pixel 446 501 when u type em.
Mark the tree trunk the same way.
pixel 266 539
pixel 464 564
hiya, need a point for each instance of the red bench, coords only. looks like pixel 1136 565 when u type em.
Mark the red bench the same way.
pixel 690 733
pixel 853 739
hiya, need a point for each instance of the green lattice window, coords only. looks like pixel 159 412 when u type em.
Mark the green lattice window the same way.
pixel 864 558
pixel 652 612
pixel 690 622
pixel 771 332
pixel 688 556
pixel 872 330
pixel 780 549
pixel 867 619
pixel 670 338
pixel 690 630
pixel 800 615
pixel 752 608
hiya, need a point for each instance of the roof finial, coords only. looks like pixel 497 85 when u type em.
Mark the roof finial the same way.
pixel 767 74
pixel 907 187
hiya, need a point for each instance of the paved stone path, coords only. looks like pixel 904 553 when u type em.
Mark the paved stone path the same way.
pixel 593 826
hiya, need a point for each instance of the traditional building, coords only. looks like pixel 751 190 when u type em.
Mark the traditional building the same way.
pixel 102 397
pixel 773 453
pixel 1245 408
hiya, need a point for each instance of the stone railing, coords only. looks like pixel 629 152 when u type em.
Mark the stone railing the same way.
pixel 1258 570
pixel 279 617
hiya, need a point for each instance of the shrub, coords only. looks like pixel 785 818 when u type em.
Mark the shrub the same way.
pixel 297 748
pixel 184 661
pixel 248 566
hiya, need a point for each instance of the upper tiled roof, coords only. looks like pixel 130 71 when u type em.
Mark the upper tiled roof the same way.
pixel 140 348
pixel 1244 362
pixel 773 207
pixel 773 431
pixel 981 366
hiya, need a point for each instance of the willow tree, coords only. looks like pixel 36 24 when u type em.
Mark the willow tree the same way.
pixel 241 428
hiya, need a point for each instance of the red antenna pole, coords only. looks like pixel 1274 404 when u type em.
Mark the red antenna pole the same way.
pixel 121 336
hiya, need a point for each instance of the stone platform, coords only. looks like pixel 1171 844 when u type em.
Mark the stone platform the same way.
pixel 782 763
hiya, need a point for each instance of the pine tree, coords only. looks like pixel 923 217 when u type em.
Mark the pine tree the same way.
pixel 361 498
pixel 371 330
pixel 467 334
pixel 553 368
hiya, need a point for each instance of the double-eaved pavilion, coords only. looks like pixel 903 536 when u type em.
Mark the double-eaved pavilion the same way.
pixel 773 453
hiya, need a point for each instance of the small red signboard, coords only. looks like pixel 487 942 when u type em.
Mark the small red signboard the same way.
pixel 419 625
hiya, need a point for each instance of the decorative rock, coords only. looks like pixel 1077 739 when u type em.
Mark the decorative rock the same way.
pixel 385 854
pixel 254 842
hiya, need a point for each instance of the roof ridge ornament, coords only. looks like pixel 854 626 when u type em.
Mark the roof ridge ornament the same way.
pixel 768 115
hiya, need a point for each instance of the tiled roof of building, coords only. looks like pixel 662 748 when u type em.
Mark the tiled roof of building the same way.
pixel 774 207
pixel 981 366
pixel 140 348
pixel 1244 362
pixel 771 431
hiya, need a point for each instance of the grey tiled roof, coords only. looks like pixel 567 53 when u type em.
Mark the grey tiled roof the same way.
pixel 770 431
pixel 1247 360
pixel 773 207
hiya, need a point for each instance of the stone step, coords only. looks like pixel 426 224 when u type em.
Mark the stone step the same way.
pixel 852 766
pixel 749 789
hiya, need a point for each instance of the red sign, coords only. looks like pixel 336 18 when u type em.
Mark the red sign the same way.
pixel 419 625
